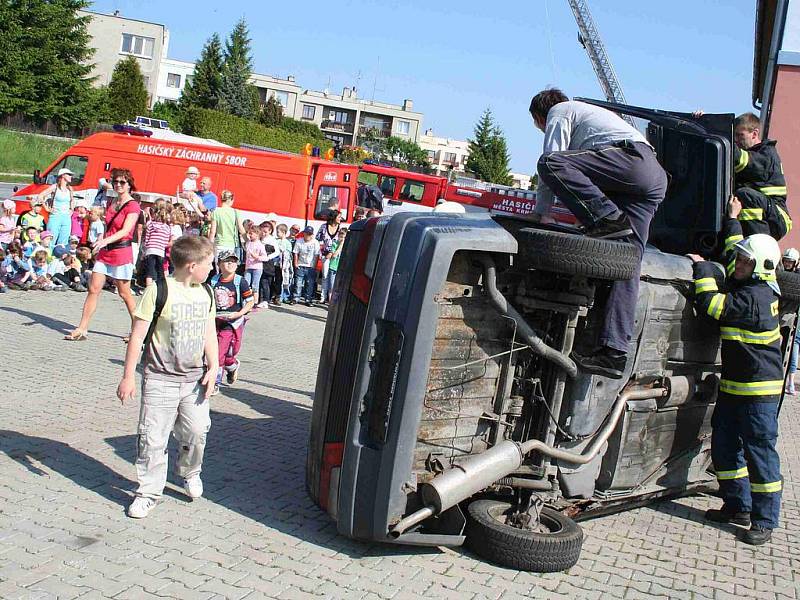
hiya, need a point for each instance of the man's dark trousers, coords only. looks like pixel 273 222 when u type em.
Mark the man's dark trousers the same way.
pixel 743 438
pixel 593 184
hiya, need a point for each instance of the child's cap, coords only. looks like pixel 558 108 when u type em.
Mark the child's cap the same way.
pixel 74 238
pixel 45 234
pixel 9 204
pixel 228 256
pixel 60 251
pixel 308 230
pixel 193 171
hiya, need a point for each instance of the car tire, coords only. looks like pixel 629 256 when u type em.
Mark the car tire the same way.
pixel 789 282
pixel 489 537
pixel 574 254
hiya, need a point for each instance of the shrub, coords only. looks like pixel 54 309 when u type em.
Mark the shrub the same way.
pixel 236 131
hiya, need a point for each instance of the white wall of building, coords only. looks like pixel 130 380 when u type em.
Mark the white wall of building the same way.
pixel 172 78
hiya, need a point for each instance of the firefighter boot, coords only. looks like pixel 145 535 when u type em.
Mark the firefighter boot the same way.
pixel 756 535
pixel 726 515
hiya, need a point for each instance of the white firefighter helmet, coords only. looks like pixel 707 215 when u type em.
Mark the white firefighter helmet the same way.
pixel 792 254
pixel 764 250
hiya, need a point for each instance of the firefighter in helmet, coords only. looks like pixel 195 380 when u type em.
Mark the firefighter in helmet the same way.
pixel 745 420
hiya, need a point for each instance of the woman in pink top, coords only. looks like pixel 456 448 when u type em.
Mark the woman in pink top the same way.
pixel 114 254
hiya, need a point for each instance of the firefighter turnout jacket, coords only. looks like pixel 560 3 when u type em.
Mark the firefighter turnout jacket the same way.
pixel 747 311
pixel 760 169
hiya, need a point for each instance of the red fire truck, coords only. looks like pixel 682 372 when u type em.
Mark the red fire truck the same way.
pixel 298 189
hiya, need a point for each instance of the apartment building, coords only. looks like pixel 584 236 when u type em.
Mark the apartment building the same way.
pixel 346 118
pixel 173 75
pixel 115 37
pixel 445 154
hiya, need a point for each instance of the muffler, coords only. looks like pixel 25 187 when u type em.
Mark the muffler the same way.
pixel 476 473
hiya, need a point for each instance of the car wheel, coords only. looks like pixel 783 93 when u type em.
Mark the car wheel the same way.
pixel 573 254
pixel 789 282
pixel 556 547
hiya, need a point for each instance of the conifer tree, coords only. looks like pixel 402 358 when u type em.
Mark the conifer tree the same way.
pixel 45 61
pixel 235 95
pixel 127 95
pixel 272 113
pixel 488 152
pixel 204 89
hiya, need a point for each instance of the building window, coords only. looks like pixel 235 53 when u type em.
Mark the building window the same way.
pixel 281 97
pixel 173 80
pixel 338 116
pixel 450 157
pixel 403 127
pixel 431 155
pixel 137 45
pixel 309 111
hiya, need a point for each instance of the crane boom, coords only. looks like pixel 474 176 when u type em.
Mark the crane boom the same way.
pixel 590 39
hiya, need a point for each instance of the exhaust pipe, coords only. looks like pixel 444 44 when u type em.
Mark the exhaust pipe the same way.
pixel 537 344
pixel 478 472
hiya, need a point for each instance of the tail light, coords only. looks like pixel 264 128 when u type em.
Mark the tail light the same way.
pixel 332 453
pixel 364 267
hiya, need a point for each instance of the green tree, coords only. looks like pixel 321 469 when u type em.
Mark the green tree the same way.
pixel 204 88
pixel 44 61
pixel 167 111
pixel 235 94
pixel 406 154
pixel 488 152
pixel 272 113
pixel 127 95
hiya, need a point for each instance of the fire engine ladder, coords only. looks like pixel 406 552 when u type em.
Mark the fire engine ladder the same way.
pixel 590 39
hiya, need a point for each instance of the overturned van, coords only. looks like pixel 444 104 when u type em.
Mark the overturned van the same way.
pixel 447 409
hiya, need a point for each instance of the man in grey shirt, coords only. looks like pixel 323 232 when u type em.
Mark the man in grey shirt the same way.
pixel 607 174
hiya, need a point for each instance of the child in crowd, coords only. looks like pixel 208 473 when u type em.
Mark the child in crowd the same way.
pixel 157 235
pixel 180 361
pixel 3 273
pixel 234 299
pixel 73 244
pixel 45 241
pixel 64 269
pixel 16 269
pixel 189 185
pixel 41 277
pixel 78 221
pixel 306 253
pixel 84 256
pixel 255 255
pixel 96 226
pixel 31 218
pixel 285 265
pixel 333 265
pixel 268 265
pixel 177 221
pixel 8 225
pixel 30 236
pixel 194 225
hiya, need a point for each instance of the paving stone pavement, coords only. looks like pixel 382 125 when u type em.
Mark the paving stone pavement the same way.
pixel 66 475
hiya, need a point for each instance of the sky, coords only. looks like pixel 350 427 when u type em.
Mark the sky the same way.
pixel 456 59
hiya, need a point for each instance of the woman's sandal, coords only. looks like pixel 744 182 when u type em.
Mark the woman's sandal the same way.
pixel 76 336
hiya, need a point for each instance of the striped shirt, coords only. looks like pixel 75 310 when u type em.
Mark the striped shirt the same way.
pixel 157 236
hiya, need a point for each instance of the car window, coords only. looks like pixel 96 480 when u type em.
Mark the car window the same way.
pixel 387 186
pixel 412 191
pixel 76 164
pixel 329 197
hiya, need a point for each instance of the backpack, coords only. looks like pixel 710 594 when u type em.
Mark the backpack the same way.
pixel 237 283
pixel 162 291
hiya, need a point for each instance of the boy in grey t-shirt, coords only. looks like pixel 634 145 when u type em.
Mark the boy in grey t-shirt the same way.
pixel 306 253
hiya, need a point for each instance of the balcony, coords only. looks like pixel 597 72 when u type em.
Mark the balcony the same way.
pixel 381 132
pixel 336 126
